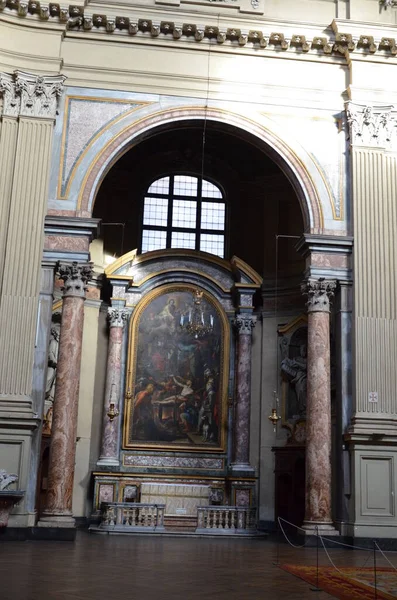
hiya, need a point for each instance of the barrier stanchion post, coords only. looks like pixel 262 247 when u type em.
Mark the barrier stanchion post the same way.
pixel 277 561
pixel 375 582
pixel 316 589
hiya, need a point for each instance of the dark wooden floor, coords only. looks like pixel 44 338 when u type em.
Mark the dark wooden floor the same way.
pixel 156 568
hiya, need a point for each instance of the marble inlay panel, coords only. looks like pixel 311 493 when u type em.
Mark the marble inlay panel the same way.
pixel 105 493
pixel 179 499
pixel 84 119
pixel 131 460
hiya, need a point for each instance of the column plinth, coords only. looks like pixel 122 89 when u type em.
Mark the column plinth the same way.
pixel 58 509
pixel 110 444
pixel 318 513
pixel 244 325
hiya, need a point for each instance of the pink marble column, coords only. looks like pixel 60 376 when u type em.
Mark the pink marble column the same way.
pixel 58 510
pixel 244 324
pixel 318 423
pixel 111 428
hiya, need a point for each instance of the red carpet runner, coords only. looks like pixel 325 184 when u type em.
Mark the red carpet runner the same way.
pixel 354 584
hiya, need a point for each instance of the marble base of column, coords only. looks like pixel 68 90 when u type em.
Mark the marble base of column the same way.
pixel 242 469
pixel 312 527
pixel 57 521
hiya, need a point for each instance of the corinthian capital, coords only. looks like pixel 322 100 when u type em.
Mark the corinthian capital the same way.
pixel 319 294
pixel 117 317
pixel 39 95
pixel 245 324
pixel 371 125
pixel 11 99
pixel 75 277
pixel 29 95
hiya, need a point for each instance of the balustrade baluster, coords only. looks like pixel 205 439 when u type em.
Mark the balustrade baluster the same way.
pixel 200 518
pixel 232 523
pixel 226 514
pixel 208 518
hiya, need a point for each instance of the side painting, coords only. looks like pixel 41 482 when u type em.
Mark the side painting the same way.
pixel 177 372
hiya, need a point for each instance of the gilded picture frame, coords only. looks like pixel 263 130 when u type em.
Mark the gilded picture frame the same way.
pixel 176 388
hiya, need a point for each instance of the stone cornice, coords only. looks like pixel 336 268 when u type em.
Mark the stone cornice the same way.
pixel 79 19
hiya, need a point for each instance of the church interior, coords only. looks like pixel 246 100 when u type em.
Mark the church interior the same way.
pixel 198 289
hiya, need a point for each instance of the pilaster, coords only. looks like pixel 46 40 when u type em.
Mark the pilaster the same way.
pixel 32 100
pixel 372 435
pixel 28 111
pixel 8 144
pixel 373 140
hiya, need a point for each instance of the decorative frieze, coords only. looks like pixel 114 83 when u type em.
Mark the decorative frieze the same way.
pixel 320 293
pixel 75 277
pixel 29 95
pixel 374 126
pixel 387 3
pixel 77 18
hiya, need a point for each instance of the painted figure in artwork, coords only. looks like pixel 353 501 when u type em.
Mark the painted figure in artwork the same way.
pixel 176 373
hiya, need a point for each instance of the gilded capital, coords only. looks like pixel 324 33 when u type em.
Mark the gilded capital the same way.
pixel 29 95
pixel 319 294
pixel 245 323
pixel 117 317
pixel 75 277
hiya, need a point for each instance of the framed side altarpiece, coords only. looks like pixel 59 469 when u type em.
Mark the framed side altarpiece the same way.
pixel 177 381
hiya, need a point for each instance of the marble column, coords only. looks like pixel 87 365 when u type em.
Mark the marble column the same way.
pixel 111 431
pixel 318 424
pixel 244 324
pixel 58 510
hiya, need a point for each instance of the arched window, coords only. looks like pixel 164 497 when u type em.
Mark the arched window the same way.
pixel 182 211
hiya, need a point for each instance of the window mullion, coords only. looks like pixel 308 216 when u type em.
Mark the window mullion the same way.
pixel 170 207
pixel 198 212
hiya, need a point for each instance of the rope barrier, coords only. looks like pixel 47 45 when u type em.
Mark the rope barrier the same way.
pixel 376 548
pixel 384 555
pixel 286 537
pixel 334 541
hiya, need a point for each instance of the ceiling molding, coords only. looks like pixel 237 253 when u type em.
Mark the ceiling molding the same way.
pixel 78 19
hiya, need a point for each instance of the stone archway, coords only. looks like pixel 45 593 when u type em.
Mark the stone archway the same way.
pixel 301 170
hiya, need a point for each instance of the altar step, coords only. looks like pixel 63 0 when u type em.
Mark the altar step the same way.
pixel 180 524
pixel 179 533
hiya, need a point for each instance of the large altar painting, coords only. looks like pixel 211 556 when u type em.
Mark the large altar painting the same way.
pixel 178 363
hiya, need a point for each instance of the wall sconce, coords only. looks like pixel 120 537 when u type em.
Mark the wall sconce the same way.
pixel 112 410
pixel 274 417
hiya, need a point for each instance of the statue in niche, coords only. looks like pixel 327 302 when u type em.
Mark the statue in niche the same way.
pixel 293 370
pixel 51 371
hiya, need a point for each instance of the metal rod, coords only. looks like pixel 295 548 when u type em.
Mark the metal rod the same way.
pixel 375 582
pixel 316 589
